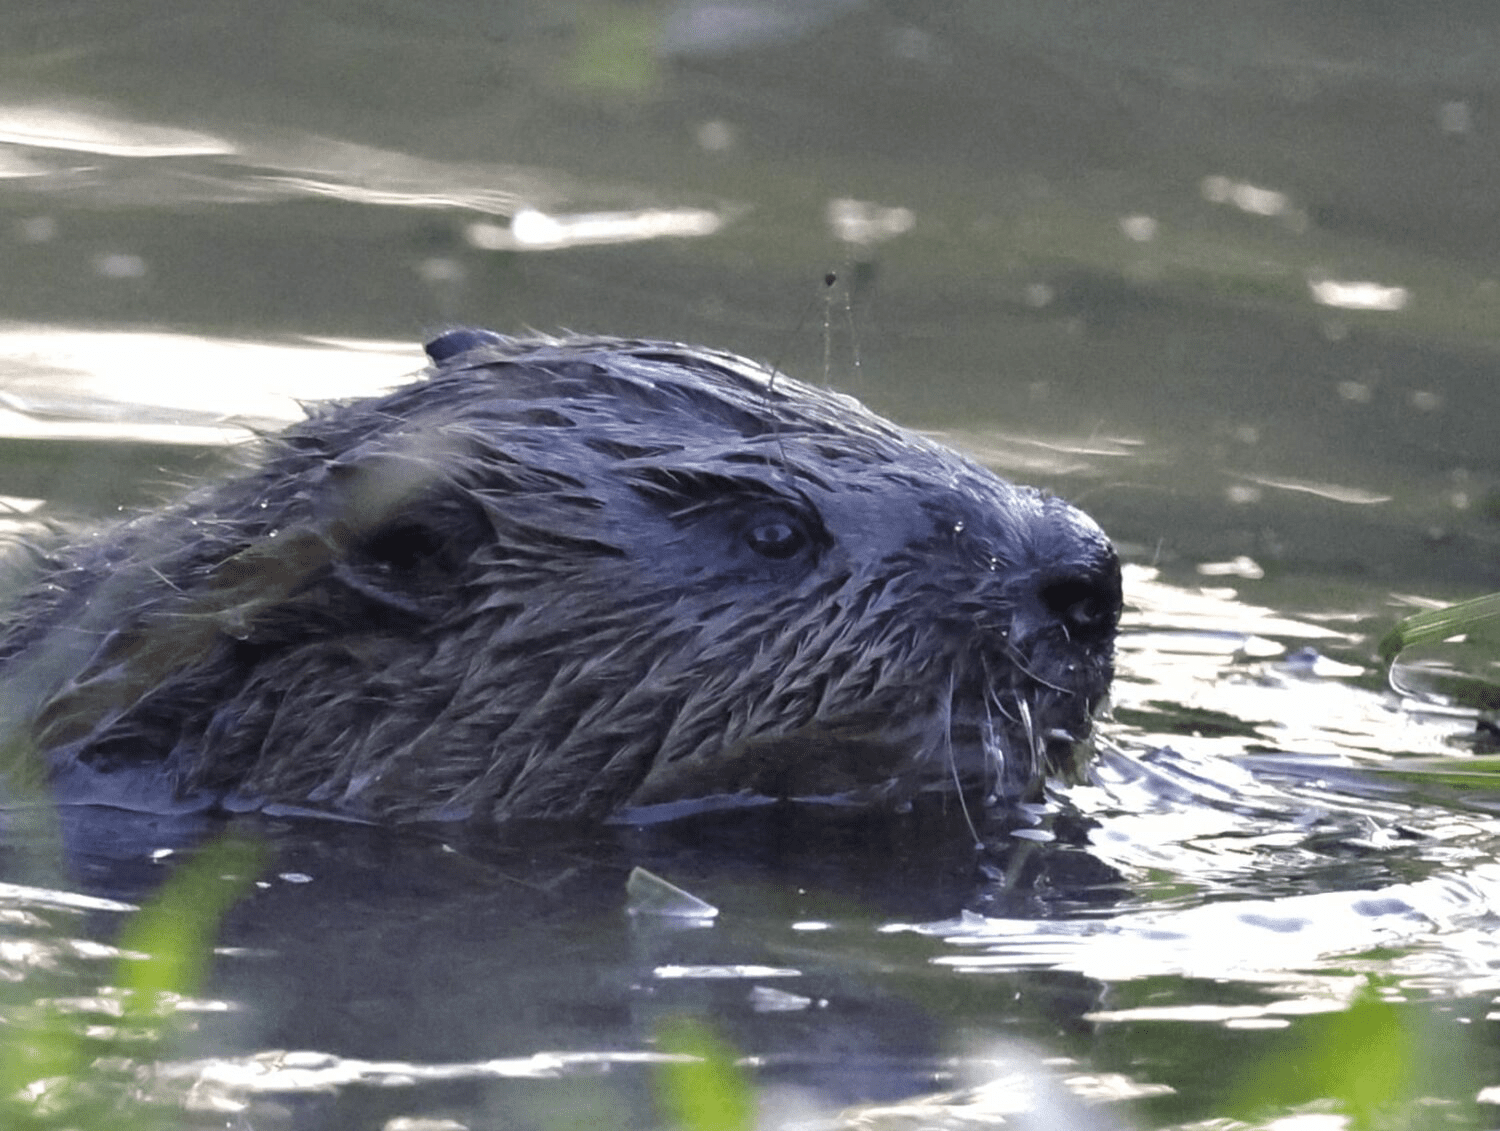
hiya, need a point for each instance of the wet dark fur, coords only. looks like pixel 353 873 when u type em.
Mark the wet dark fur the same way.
pixel 559 578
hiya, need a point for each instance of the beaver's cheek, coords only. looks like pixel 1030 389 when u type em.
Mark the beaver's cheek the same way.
pixel 847 763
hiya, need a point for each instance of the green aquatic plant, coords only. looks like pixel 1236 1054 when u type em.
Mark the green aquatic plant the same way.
pixel 82 1060
pixel 1478 619
pixel 1450 654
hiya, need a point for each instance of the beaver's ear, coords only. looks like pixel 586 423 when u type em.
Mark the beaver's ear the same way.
pixel 413 562
pixel 402 530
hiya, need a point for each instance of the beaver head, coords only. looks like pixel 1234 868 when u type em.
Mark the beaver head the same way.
pixel 564 578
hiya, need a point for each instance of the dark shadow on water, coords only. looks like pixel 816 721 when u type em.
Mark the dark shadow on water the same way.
pixel 924 864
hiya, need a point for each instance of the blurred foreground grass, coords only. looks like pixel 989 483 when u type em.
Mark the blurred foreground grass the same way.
pixel 703 1089
pixel 89 1059
pixel 85 1062
pixel 1375 1066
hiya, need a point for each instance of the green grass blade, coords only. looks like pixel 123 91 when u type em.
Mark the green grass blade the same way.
pixel 1479 616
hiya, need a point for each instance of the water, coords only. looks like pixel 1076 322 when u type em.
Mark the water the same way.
pixel 1228 282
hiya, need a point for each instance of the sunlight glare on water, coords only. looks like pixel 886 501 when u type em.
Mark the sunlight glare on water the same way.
pixel 85 131
pixel 1230 677
pixel 178 388
pixel 1285 941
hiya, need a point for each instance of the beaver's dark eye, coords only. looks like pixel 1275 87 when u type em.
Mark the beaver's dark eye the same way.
pixel 778 538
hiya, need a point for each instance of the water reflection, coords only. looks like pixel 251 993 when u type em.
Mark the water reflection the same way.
pixel 290 166
pixel 1227 282
pixel 1285 942
pixel 178 388
pixel 78 131
pixel 532 228
pixel 1350 295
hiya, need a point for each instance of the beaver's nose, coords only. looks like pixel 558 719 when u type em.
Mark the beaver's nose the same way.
pixel 1086 602
pixel 1080 597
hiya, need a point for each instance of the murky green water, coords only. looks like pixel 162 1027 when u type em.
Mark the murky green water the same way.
pixel 1225 275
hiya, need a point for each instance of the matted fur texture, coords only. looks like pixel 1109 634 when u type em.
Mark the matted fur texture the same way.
pixel 562 577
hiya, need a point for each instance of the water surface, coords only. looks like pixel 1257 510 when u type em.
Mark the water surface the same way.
pixel 1224 275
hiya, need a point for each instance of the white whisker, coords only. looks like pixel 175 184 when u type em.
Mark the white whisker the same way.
pixel 953 759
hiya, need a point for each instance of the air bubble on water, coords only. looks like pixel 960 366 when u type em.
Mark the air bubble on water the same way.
pixel 1038 295
pixel 36 229
pixel 715 135
pixel 1425 400
pixel 120 266
pixel 1455 118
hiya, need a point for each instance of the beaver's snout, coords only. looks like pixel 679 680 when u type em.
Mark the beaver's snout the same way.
pixel 566 577
pixel 1039 658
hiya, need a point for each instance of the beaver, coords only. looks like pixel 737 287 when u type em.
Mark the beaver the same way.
pixel 569 577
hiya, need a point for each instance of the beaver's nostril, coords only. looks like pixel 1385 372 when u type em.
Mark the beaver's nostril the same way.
pixel 1087 605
